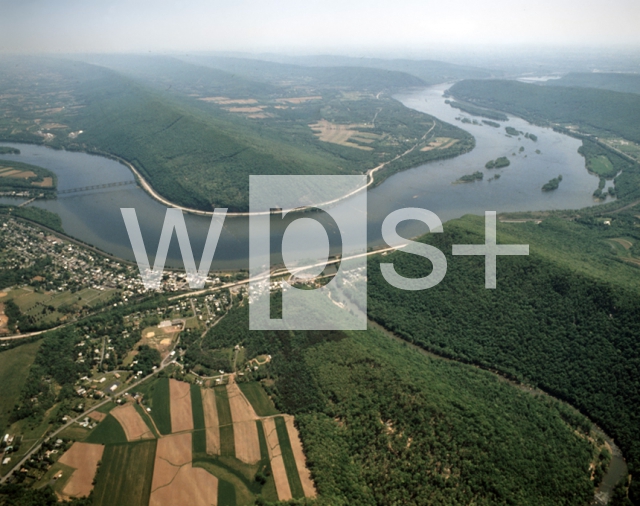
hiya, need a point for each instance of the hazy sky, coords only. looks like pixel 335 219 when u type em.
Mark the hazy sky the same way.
pixel 310 25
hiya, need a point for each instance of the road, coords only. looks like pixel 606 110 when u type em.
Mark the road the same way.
pixel 34 449
pixel 280 272
pixel 370 175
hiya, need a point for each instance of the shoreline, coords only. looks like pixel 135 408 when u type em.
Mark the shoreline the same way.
pixel 148 188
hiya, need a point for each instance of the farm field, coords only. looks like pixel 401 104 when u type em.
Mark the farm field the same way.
pixel 212 426
pixel 181 414
pixel 225 421
pixel 258 398
pixel 199 424
pixel 14 368
pixel 229 442
pixel 109 431
pixel 160 405
pixel 288 458
pixel 277 462
pixel 132 423
pixel 245 433
pixel 600 165
pixel 83 458
pixel 18 175
pixel 304 474
pixel 175 480
pixel 126 473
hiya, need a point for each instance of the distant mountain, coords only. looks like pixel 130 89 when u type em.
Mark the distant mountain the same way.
pixel 626 83
pixel 166 72
pixel 430 71
pixel 337 76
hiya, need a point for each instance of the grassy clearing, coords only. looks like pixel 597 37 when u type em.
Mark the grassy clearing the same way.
pixel 106 408
pixel 75 433
pixel 161 405
pixel 258 398
pixel 199 431
pixel 124 478
pixel 14 368
pixel 59 484
pixel 33 302
pixel 600 165
pixel 439 143
pixel 289 459
pixel 343 134
pixel 108 431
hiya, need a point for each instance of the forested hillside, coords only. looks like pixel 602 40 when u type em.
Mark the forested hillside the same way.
pixel 593 110
pixel 564 318
pixel 625 83
pixel 197 133
pixel 430 71
pixel 382 423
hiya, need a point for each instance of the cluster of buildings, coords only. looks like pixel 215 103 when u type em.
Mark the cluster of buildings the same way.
pixel 74 267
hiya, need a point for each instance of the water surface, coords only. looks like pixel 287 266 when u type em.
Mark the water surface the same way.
pixel 94 216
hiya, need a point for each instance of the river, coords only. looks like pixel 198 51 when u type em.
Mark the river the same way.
pixel 94 216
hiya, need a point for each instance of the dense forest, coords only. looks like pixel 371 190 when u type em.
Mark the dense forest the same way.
pixel 564 318
pixel 593 110
pixel 283 68
pixel 369 406
pixel 625 83
pixel 35 214
pixel 552 184
pixel 478 111
pixel 196 133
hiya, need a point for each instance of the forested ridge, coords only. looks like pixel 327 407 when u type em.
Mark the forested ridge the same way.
pixel 196 133
pixel 597 110
pixel 614 81
pixel 384 424
pixel 564 318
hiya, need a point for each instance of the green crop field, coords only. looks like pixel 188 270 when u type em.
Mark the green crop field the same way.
pixel 227 444
pixel 222 403
pixel 226 493
pixel 199 433
pixel 289 460
pixel 14 368
pixel 258 398
pixel 124 478
pixel 161 405
pixel 237 489
pixel 108 431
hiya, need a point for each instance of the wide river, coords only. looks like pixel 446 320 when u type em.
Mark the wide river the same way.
pixel 95 218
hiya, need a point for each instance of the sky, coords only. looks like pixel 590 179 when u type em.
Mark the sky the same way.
pixel 305 26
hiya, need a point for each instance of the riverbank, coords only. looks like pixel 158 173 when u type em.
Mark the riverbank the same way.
pixel 617 468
